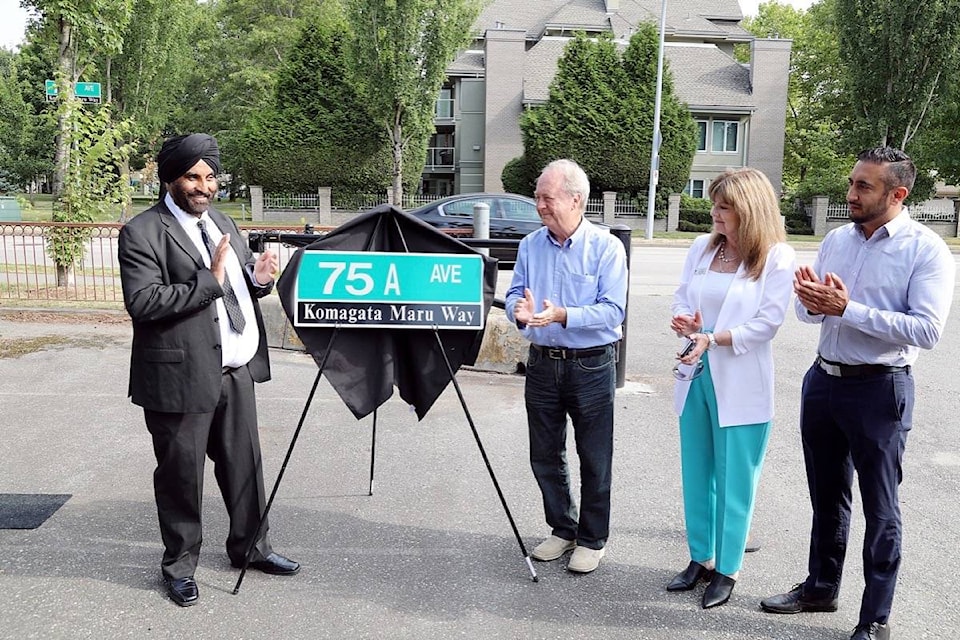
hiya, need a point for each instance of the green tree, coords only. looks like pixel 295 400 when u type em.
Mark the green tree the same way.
pixel 142 79
pixel 21 153
pixel 401 50
pixel 600 114
pixel 813 156
pixel 86 30
pixel 238 48
pixel 899 56
pixel 318 131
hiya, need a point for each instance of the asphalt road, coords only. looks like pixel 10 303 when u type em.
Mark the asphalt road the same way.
pixel 431 554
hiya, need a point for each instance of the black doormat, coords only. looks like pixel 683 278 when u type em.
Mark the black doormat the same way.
pixel 28 510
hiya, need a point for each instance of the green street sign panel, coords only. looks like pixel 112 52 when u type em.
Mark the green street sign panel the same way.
pixel 389 290
pixel 88 92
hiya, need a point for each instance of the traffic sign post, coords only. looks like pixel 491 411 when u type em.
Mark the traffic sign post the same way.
pixel 398 290
pixel 87 92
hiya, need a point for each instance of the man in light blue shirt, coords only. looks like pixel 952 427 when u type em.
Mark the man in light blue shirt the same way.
pixel 568 296
pixel 880 288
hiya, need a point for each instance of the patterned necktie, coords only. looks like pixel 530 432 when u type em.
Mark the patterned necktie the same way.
pixel 237 321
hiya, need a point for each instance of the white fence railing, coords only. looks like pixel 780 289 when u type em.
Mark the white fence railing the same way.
pixel 920 213
pixel 290 201
pixel 624 207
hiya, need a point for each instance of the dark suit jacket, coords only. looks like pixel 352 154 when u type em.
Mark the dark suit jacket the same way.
pixel 175 363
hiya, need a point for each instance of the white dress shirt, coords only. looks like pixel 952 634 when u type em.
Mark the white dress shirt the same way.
pixel 900 283
pixel 237 349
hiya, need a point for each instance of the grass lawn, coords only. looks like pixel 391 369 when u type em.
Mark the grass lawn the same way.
pixel 42 209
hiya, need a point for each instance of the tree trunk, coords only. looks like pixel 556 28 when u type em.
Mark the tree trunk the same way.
pixel 65 275
pixel 64 68
pixel 397 145
pixel 127 205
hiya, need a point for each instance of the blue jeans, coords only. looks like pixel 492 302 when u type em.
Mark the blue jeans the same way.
pixel 582 388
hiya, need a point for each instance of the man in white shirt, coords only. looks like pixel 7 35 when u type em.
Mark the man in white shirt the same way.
pixel 880 288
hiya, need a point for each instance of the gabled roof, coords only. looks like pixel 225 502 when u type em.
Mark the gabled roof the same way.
pixel 709 78
pixel 468 63
pixel 712 18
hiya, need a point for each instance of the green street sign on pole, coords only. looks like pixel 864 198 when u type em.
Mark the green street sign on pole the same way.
pixel 88 92
pixel 381 290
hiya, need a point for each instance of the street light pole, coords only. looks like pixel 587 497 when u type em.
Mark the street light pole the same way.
pixel 657 138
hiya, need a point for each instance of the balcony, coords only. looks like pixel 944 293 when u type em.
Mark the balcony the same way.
pixel 440 159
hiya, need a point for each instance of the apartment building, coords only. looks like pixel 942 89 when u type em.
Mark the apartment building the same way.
pixel 740 108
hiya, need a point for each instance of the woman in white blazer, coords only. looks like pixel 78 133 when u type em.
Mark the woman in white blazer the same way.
pixel 733 296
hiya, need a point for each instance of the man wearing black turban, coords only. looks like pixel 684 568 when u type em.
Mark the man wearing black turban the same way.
pixel 191 286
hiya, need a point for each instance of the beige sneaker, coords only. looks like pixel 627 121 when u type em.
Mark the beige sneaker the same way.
pixel 584 559
pixel 552 548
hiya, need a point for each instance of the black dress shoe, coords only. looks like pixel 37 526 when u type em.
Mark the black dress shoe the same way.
pixel 689 577
pixel 183 591
pixel 718 591
pixel 274 564
pixel 872 631
pixel 794 602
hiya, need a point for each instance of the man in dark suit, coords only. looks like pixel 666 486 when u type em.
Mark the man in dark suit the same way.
pixel 191 287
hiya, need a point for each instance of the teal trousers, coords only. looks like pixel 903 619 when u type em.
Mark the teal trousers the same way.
pixel 721 470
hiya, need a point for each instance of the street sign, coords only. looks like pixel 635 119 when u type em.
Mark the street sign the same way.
pixel 389 290
pixel 88 92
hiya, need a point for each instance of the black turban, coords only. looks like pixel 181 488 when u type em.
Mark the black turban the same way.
pixel 180 153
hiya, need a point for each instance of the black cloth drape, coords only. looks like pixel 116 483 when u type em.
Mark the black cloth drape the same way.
pixel 366 363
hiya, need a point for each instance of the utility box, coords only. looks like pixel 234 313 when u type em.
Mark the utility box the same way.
pixel 9 209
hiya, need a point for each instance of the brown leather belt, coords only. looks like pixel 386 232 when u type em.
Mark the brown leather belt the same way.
pixel 856 370
pixel 559 353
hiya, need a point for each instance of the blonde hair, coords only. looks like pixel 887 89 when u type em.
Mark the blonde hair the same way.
pixel 748 192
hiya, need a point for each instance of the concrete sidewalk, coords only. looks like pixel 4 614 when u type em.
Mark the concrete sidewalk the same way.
pixel 431 554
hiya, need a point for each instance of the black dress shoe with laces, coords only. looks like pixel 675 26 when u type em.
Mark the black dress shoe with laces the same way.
pixel 183 591
pixel 795 602
pixel 274 564
pixel 689 577
pixel 872 631
pixel 718 591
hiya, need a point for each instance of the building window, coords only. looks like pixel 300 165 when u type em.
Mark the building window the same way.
pixel 444 106
pixel 701 135
pixel 725 136
pixel 695 188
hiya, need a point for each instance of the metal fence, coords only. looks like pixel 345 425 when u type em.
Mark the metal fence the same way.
pixel 624 207
pixel 29 272
pixel 920 213
pixel 339 201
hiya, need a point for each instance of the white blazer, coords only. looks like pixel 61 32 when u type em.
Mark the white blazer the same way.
pixel 753 312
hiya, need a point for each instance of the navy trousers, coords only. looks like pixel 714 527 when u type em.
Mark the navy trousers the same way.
pixel 582 388
pixel 847 424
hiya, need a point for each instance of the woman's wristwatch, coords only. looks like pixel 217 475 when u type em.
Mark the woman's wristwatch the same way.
pixel 711 341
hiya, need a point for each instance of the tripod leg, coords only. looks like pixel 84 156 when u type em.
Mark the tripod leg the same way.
pixel 283 467
pixel 373 451
pixel 486 460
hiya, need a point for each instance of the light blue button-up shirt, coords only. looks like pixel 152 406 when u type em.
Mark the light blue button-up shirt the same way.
pixel 900 283
pixel 587 275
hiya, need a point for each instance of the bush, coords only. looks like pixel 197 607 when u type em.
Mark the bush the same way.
pixel 795 217
pixel 518 177
pixel 695 212
pixel 686 225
